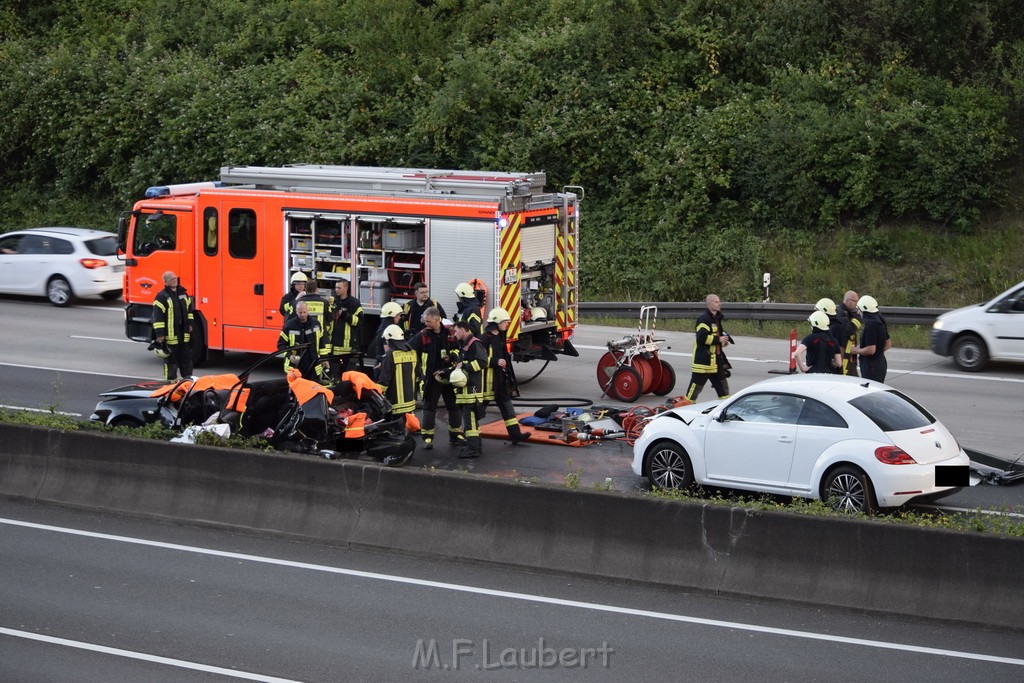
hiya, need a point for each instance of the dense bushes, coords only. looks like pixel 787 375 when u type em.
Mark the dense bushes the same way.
pixel 702 130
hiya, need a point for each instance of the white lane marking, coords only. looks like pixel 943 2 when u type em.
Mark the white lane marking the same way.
pixel 131 654
pixel 980 511
pixel 119 309
pixel 893 374
pixel 125 341
pixel 77 372
pixel 526 597
pixel 41 410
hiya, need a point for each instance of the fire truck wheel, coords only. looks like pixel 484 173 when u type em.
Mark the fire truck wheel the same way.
pixel 667 382
pixel 627 385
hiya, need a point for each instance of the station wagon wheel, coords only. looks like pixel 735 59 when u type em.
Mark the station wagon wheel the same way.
pixel 668 466
pixel 58 291
pixel 848 489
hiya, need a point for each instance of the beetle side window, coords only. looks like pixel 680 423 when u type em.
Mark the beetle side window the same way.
pixel 771 408
pixel 817 414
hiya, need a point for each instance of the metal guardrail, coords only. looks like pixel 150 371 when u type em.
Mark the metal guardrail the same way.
pixel 736 310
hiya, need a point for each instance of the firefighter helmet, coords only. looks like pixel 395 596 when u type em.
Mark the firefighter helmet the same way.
pixel 458 378
pixel 868 304
pixel 464 290
pixel 160 349
pixel 393 332
pixel 538 314
pixel 390 310
pixel 826 305
pixel 498 315
pixel 299 277
pixel 819 319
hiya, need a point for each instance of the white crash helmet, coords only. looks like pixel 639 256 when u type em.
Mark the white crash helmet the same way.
pixel 393 332
pixel 538 313
pixel 458 378
pixel 498 315
pixel 299 277
pixel 160 349
pixel 826 305
pixel 819 320
pixel 868 304
pixel 464 290
pixel 390 310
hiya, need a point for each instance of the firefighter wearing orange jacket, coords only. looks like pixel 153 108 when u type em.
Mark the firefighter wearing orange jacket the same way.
pixel 467 378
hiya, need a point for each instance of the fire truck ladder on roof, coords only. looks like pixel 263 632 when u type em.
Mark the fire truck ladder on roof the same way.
pixel 469 185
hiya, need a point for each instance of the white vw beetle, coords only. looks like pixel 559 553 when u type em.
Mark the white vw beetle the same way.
pixel 855 443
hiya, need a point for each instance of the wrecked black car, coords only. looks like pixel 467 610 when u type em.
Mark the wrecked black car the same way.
pixel 349 417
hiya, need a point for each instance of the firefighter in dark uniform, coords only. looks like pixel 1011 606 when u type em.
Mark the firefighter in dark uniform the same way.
pixel 818 352
pixel 302 329
pixel 498 378
pixel 846 329
pixel 413 310
pixel 438 351
pixel 346 314
pixel 319 309
pixel 173 316
pixel 398 371
pixel 709 362
pixel 390 314
pixel 297 291
pixel 874 341
pixel 469 308
pixel 469 396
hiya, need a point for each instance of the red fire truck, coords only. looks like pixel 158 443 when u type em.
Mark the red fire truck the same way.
pixel 235 243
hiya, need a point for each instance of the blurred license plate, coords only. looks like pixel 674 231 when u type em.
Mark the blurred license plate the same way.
pixel 119 268
pixel 952 475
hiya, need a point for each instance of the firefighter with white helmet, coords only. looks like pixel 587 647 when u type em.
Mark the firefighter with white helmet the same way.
pixel 469 308
pixel 398 371
pixel 390 314
pixel 874 341
pixel 819 352
pixel 472 360
pixel 297 291
pixel 499 383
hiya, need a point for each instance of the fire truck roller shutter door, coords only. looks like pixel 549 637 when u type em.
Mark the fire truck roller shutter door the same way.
pixel 459 251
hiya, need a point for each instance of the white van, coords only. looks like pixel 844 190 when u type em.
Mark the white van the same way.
pixel 974 335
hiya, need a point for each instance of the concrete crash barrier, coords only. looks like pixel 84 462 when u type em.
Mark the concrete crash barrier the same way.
pixel 847 563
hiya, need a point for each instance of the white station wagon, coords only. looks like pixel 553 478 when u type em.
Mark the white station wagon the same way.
pixel 60 264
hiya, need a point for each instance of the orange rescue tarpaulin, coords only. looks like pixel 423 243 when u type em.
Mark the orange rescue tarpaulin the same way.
pixel 216 382
pixel 305 389
pixel 354 428
pixel 361 380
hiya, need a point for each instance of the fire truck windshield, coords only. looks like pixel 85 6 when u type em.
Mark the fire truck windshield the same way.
pixel 154 232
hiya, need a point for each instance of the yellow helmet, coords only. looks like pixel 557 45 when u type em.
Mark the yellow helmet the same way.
pixel 868 304
pixel 464 290
pixel 819 320
pixel 299 277
pixel 826 305
pixel 458 378
pixel 393 332
pixel 498 315
pixel 390 310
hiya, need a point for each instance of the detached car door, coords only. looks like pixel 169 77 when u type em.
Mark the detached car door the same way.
pixel 752 440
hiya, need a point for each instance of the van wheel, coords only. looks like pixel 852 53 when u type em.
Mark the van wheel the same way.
pixel 969 353
pixel 58 291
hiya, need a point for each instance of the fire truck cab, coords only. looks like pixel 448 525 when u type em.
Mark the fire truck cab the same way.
pixel 236 242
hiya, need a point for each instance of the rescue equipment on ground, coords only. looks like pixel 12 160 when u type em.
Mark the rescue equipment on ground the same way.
pixel 632 365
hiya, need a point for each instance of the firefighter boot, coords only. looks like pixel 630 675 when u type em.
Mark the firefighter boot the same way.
pixel 473 448
pixel 428 439
pixel 517 435
pixel 456 439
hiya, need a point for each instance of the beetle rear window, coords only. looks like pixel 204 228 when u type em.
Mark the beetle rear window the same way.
pixel 892 411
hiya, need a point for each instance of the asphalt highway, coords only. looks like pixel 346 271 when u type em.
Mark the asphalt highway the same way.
pixel 72 354
pixel 90 597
